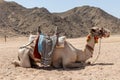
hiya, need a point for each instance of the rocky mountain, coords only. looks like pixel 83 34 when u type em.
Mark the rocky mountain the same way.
pixel 18 20
pixel 87 16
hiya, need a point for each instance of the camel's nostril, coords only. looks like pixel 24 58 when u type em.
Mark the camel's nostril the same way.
pixel 108 35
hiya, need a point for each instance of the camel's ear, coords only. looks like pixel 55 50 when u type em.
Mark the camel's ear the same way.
pixel 101 28
pixel 94 29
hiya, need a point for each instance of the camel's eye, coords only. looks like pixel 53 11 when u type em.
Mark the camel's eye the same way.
pixel 101 31
pixel 93 30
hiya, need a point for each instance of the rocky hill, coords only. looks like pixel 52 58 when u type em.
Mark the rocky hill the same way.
pixel 18 20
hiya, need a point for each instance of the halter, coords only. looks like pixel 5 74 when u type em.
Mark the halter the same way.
pixel 91 48
pixel 95 38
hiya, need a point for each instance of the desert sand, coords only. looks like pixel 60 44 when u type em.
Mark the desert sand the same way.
pixel 107 66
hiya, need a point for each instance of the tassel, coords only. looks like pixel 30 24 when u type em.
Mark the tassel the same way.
pixel 88 38
pixel 96 39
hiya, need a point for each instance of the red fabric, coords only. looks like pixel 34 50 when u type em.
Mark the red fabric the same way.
pixel 36 53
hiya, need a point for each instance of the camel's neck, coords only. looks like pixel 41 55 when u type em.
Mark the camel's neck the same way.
pixel 89 48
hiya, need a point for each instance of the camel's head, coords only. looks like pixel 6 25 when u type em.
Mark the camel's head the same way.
pixel 100 32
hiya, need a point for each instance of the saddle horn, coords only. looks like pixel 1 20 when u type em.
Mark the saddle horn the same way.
pixel 56 30
pixel 57 34
pixel 39 30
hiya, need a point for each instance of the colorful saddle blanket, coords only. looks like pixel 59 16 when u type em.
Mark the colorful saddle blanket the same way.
pixel 45 46
pixel 40 41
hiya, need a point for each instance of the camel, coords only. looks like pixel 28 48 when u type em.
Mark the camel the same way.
pixel 70 57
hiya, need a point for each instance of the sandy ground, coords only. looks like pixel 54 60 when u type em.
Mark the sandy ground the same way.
pixel 107 67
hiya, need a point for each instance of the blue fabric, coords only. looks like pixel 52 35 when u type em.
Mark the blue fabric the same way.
pixel 41 38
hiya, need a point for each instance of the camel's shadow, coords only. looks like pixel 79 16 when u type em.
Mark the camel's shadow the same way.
pixel 70 69
pixel 59 69
pixel 102 64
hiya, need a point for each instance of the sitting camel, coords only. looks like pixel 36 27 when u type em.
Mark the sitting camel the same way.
pixel 67 56
pixel 70 57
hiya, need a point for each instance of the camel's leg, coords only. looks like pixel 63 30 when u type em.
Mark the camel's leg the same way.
pixel 16 63
pixel 33 63
pixel 70 62
pixel 57 63
pixel 73 65
pixel 33 60
pixel 24 58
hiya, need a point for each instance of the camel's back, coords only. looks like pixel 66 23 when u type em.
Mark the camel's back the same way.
pixel 68 53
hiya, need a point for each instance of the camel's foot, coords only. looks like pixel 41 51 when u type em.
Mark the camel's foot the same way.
pixel 16 63
pixel 56 65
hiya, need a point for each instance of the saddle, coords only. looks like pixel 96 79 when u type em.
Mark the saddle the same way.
pixel 44 48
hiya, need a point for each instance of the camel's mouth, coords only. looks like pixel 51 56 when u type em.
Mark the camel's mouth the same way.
pixel 105 33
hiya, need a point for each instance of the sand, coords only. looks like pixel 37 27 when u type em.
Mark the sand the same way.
pixel 107 66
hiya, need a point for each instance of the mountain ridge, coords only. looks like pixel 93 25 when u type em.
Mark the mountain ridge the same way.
pixel 18 20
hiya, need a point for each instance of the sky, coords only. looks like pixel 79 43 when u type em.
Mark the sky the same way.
pixel 110 6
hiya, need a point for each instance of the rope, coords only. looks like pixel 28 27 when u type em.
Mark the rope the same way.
pixel 98 53
pixel 26 45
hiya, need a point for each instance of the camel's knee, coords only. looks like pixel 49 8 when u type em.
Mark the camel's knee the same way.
pixel 56 65
pixel 72 65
